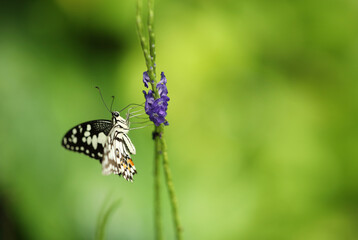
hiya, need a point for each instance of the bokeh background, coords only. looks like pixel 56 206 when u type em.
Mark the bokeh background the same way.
pixel 263 118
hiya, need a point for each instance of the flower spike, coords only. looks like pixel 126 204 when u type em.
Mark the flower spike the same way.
pixel 156 108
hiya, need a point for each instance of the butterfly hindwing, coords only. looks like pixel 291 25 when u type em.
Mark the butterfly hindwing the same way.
pixel 88 138
pixel 117 150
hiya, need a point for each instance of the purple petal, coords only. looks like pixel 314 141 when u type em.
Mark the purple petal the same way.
pixel 162 89
pixel 163 79
pixel 149 100
pixel 146 79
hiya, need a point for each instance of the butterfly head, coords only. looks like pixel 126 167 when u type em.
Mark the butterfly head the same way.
pixel 116 118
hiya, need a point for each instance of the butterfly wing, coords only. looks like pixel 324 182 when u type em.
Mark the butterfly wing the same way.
pixel 116 156
pixel 88 138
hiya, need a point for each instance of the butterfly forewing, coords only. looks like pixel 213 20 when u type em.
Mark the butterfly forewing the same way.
pixel 88 138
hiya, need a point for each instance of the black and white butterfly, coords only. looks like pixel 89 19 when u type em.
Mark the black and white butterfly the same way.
pixel 106 141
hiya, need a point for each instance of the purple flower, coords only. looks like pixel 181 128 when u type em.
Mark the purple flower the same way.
pixel 149 100
pixel 146 79
pixel 157 108
pixel 161 86
pixel 163 79
pixel 158 111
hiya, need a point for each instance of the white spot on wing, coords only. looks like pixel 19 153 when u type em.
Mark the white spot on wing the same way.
pixel 94 142
pixel 101 138
pixel 89 139
pixel 74 131
pixel 87 134
pixel 88 127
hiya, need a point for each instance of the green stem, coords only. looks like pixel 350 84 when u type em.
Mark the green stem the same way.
pixel 151 33
pixel 146 53
pixel 160 144
pixel 151 72
pixel 170 185
pixel 157 201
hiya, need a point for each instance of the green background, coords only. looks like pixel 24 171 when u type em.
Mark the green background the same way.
pixel 263 118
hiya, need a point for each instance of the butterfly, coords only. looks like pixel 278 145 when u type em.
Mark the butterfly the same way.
pixel 106 141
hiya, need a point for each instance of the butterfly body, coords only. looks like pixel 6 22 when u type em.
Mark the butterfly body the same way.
pixel 106 141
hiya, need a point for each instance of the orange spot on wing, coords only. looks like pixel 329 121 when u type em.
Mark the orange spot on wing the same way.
pixel 130 161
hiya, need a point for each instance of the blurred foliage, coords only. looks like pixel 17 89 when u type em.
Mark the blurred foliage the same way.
pixel 263 117
pixel 104 217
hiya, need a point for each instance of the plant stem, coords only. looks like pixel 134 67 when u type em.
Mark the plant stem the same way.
pixel 151 72
pixel 147 57
pixel 170 185
pixel 160 144
pixel 151 33
pixel 157 201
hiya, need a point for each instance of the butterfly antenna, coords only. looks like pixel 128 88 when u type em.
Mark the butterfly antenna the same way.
pixel 100 93
pixel 112 102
